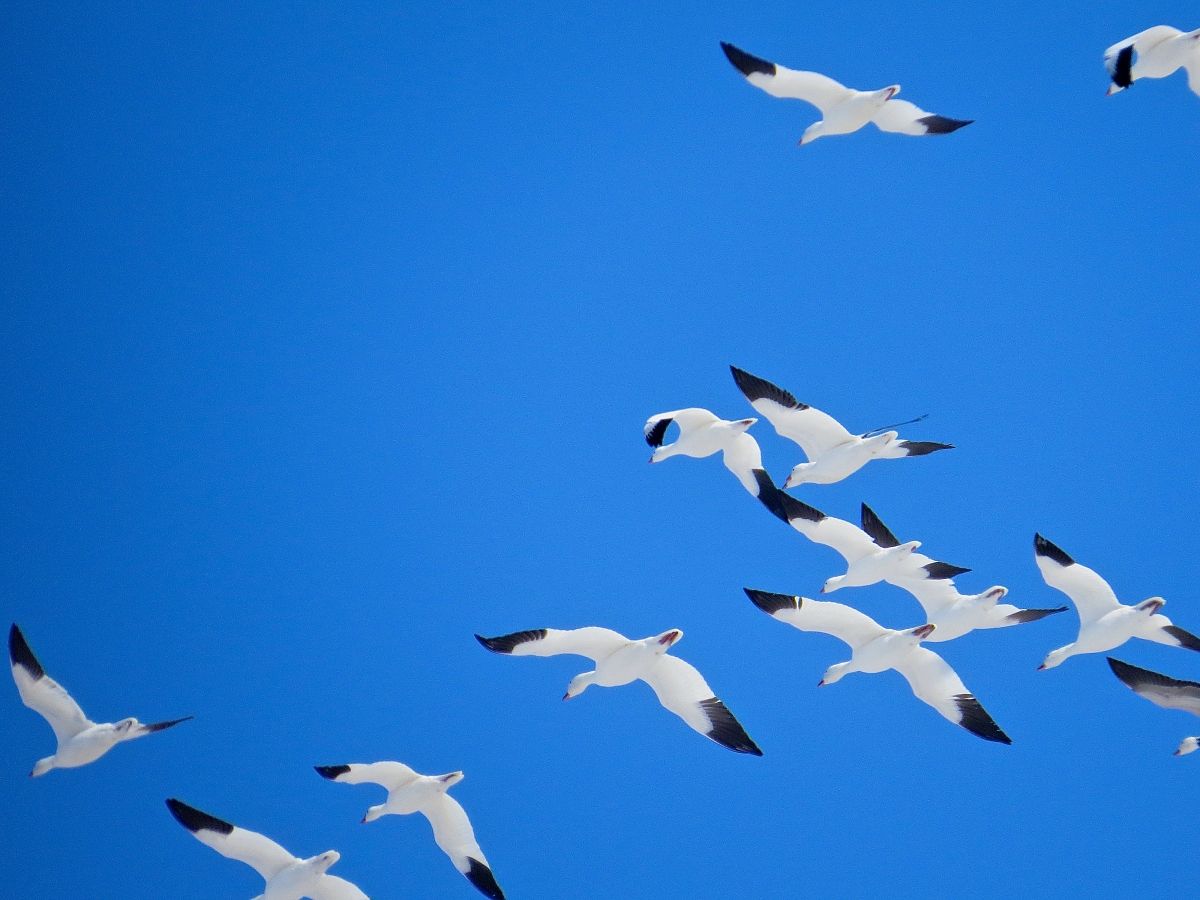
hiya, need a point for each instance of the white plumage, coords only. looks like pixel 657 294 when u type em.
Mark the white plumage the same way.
pixel 877 649
pixel 833 452
pixel 80 740
pixel 843 109
pixel 1104 622
pixel 1154 53
pixel 410 792
pixel 679 687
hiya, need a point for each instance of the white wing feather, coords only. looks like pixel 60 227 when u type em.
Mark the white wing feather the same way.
pixel 452 831
pixel 259 852
pixel 47 697
pixel 933 681
pixel 681 688
pixel 1090 593
pixel 391 775
pixel 592 642
pixel 820 90
pixel 837 619
pixel 330 887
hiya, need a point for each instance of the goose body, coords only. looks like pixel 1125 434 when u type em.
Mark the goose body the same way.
pixel 877 649
pixel 678 686
pixel 1164 691
pixel 872 553
pixel 701 434
pixel 80 740
pixel 833 452
pixel 843 109
pixel 956 614
pixel 410 792
pixel 1104 622
pixel 287 877
pixel 1154 53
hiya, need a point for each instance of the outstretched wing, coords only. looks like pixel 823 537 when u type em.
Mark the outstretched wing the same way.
pixel 934 682
pixel 391 775
pixel 689 419
pixel 683 690
pixel 1162 690
pixel 821 91
pixel 742 457
pixel 260 853
pixel 42 693
pixel 453 833
pixel 594 643
pixel 902 117
pixel 837 619
pixel 1090 593
pixel 815 432
pixel 845 537
pixel 330 887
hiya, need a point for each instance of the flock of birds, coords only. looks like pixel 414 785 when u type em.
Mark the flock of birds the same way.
pixel 872 554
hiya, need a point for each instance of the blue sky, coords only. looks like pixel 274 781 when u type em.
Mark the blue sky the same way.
pixel 327 339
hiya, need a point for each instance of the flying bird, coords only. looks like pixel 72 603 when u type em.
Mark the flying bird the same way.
pixel 702 434
pixel 1154 53
pixel 1164 691
pixel 1104 622
pixel 287 877
pixel 680 688
pixel 80 740
pixel 877 649
pixel 843 109
pixel 956 614
pixel 872 553
pixel 409 792
pixel 833 452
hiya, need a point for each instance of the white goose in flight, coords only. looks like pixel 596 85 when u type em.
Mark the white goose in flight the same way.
pixel 957 614
pixel 833 452
pixel 80 740
pixel 680 688
pixel 1164 691
pixel 843 109
pixel 1154 53
pixel 410 792
pixel 877 649
pixel 1104 622
pixel 872 553
pixel 287 877
pixel 702 434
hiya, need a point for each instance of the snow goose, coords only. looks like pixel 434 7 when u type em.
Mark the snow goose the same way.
pixel 833 452
pixel 1154 53
pixel 409 792
pixel 877 649
pixel 872 553
pixel 956 614
pixel 287 877
pixel 702 434
pixel 1164 691
pixel 843 109
pixel 680 688
pixel 80 740
pixel 1104 622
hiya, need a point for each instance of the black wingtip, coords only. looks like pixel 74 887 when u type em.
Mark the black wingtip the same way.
pixel 331 772
pixel 1021 616
pixel 483 879
pixel 755 388
pixel 163 726
pixel 745 63
pixel 1135 677
pixel 1043 547
pixel 655 436
pixel 876 530
pixel 771 603
pixel 1186 638
pixel 769 495
pixel 194 820
pixel 726 730
pixel 798 509
pixel 942 124
pixel 977 721
pixel 506 642
pixel 1122 75
pixel 924 448
pixel 939 570
pixel 20 654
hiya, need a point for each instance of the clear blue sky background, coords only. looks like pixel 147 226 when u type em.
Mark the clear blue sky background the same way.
pixel 328 335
